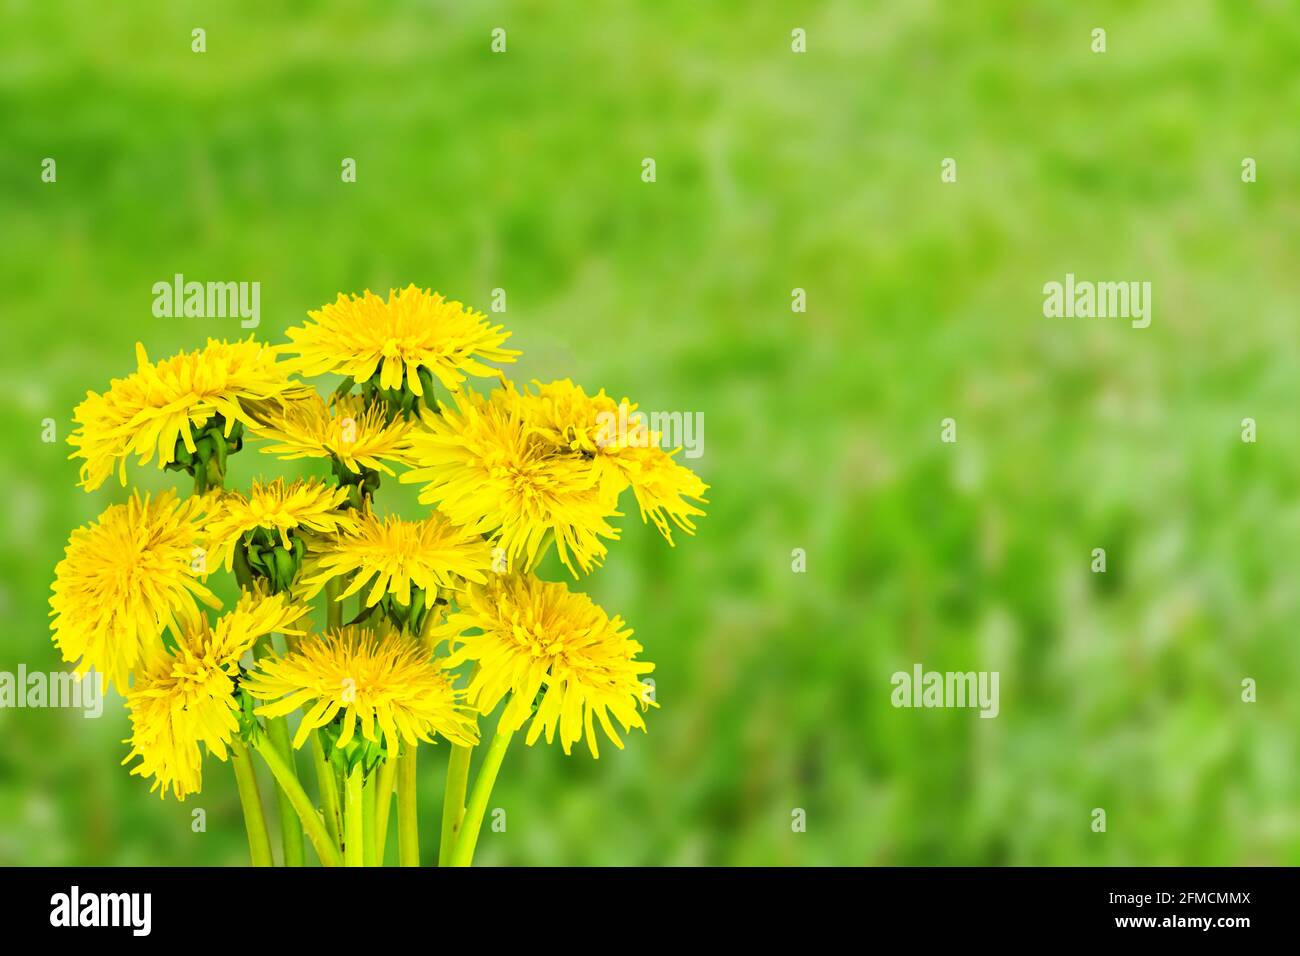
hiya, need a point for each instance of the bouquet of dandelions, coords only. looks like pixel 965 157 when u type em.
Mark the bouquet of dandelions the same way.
pixel 430 624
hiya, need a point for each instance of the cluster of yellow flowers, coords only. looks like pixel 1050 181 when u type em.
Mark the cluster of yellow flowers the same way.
pixel 448 616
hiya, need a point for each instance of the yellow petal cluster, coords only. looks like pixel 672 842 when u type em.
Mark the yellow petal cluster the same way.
pixel 133 571
pixel 391 339
pixel 310 506
pixel 347 431
pixel 391 556
pixel 382 682
pixel 184 700
pixel 146 412
pixel 530 638
pixel 548 466
pixel 488 472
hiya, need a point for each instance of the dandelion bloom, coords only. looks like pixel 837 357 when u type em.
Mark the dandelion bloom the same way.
pixel 661 486
pixel 620 448
pixel 540 637
pixel 488 471
pixel 123 579
pixel 396 554
pixel 313 507
pixel 186 698
pixel 146 413
pixel 386 682
pixel 364 336
pixel 349 432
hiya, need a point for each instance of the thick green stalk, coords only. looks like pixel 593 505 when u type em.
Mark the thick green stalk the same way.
pixel 453 794
pixel 290 829
pixel 353 823
pixel 368 820
pixel 329 790
pixel 299 802
pixel 453 800
pixel 408 832
pixel 209 477
pixel 384 804
pixel 463 852
pixel 259 842
pixel 333 606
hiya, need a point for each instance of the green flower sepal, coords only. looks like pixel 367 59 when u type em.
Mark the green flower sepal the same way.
pixel 262 556
pixel 213 444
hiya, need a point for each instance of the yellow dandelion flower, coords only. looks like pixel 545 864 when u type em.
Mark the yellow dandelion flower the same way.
pixel 621 448
pixel 540 637
pixel 662 486
pixel 186 698
pixel 145 413
pixel 489 473
pixel 310 506
pixel 124 578
pixel 349 432
pixel 414 329
pixel 396 554
pixel 386 682
pixel 566 416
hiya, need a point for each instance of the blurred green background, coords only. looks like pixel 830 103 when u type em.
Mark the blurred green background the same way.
pixel 775 170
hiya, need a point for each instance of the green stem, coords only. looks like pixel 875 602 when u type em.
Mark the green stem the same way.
pixel 463 853
pixel 299 801
pixel 208 477
pixel 383 805
pixel 353 822
pixel 290 827
pixel 278 730
pixel 453 800
pixel 368 801
pixel 408 833
pixel 259 842
pixel 333 606
pixel 329 790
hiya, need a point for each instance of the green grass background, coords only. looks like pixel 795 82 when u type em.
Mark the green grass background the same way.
pixel 775 171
